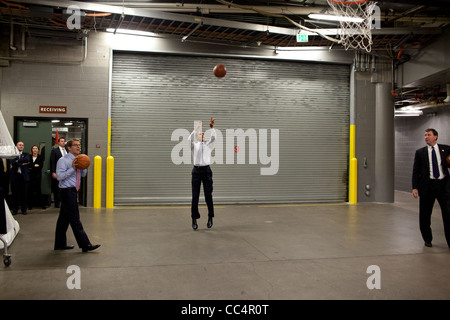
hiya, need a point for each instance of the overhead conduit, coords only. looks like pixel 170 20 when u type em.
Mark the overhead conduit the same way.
pixel 35 60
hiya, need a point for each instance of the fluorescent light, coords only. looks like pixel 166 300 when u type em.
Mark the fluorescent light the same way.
pixel 329 17
pixel 409 113
pixel 68 123
pixel 132 32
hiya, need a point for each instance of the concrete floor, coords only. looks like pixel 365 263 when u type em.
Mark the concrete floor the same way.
pixel 253 252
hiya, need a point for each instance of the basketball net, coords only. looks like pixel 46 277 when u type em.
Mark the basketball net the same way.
pixel 355 34
pixel 7 146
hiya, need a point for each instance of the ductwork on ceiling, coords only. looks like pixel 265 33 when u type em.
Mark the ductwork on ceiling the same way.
pixel 406 26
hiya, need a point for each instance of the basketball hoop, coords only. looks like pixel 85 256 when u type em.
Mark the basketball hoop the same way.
pixel 355 34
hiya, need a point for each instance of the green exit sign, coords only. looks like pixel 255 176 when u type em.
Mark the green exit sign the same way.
pixel 302 37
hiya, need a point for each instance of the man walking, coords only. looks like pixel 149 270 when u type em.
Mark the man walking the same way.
pixel 429 181
pixel 69 176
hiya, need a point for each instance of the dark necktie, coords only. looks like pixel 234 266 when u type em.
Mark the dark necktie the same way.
pixel 434 163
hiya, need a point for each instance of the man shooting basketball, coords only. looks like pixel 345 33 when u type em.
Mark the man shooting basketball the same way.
pixel 201 173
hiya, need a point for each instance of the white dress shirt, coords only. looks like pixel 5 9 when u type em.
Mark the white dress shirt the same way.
pixel 438 156
pixel 202 150
pixel 63 151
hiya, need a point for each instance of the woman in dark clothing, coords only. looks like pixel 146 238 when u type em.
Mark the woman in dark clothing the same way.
pixel 36 165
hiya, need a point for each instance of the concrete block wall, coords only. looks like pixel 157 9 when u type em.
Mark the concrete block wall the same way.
pixel 42 78
pixel 409 136
pixel 409 131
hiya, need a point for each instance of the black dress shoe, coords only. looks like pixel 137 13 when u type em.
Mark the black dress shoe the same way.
pixel 194 224
pixel 428 244
pixel 210 222
pixel 90 247
pixel 64 248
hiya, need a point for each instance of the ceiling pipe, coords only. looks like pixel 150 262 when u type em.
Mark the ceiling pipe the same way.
pixel 33 60
pixel 192 31
pixel 11 38
pixel 217 8
pixel 429 3
pixel 23 39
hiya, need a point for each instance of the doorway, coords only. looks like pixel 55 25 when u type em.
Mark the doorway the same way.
pixel 42 131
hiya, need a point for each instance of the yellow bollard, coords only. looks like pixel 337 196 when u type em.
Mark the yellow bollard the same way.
pixel 353 181
pixel 110 182
pixel 97 182
pixel 353 168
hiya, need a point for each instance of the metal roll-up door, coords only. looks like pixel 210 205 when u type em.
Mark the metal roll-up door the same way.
pixel 282 128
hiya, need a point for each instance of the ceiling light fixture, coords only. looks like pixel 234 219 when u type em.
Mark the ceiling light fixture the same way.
pixel 329 17
pixel 409 113
pixel 132 32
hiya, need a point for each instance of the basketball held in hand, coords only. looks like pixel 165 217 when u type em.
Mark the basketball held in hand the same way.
pixel 83 161
pixel 447 159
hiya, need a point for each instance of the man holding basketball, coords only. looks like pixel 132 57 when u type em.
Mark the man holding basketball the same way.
pixel 430 181
pixel 68 177
pixel 201 173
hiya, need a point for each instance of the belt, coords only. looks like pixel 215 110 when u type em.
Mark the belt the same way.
pixel 200 167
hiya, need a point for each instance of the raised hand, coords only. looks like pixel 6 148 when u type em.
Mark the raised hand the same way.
pixel 199 124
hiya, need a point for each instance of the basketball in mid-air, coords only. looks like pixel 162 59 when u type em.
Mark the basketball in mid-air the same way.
pixel 447 159
pixel 83 161
pixel 220 71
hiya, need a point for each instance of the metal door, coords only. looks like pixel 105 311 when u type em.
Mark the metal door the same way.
pixel 38 132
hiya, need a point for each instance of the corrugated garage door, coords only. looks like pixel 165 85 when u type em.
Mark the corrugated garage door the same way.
pixel 282 128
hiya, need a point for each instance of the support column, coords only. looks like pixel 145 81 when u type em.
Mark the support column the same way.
pixel 384 143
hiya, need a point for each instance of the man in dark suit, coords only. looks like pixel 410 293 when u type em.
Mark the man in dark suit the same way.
pixel 430 181
pixel 57 153
pixel 20 179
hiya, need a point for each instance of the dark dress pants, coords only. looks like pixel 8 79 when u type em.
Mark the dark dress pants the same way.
pixel 436 189
pixel 202 175
pixel 69 215
pixel 56 193
pixel 19 190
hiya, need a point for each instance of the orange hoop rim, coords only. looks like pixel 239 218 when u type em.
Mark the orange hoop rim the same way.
pixel 349 2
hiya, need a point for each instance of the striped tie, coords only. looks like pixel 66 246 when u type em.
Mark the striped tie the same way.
pixel 78 179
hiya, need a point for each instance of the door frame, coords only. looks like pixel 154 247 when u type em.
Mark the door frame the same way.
pixel 82 198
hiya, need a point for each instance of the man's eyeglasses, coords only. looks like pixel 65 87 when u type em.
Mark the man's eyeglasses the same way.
pixel 76 145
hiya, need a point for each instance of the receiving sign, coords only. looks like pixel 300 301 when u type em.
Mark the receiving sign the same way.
pixel 52 109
